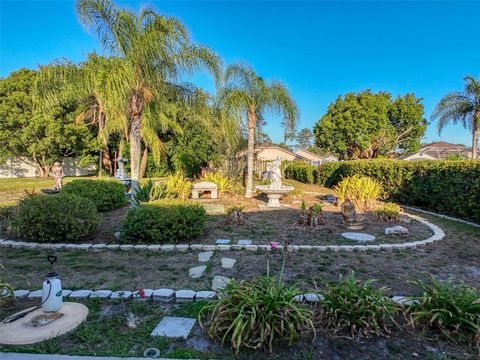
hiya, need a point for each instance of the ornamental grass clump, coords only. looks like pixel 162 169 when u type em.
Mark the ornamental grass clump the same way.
pixel 355 309
pixel 257 314
pixel 151 192
pixel 452 308
pixel 363 191
pixel 388 212
pixel 177 186
pixel 223 183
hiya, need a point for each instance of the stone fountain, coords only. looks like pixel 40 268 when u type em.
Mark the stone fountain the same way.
pixel 275 190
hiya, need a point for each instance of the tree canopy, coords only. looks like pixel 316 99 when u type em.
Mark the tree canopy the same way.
pixel 367 125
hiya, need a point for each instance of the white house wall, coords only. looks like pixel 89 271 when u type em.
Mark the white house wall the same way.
pixel 21 167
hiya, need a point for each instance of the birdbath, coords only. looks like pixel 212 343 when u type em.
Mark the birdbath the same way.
pixel 275 190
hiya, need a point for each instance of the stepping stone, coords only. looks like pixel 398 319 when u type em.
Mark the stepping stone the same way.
pixel 21 293
pixel 222 242
pixel 227 263
pixel 174 327
pixel 356 236
pixel 403 300
pixel 396 230
pixel 124 294
pixel 205 295
pixel 101 294
pixel 205 256
pixel 197 271
pixel 165 295
pixel 219 282
pixel 244 242
pixel 214 209
pixel 184 295
pixel 80 294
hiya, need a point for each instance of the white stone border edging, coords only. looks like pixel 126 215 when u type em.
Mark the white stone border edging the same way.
pixel 166 295
pixel 438 234
pixel 441 216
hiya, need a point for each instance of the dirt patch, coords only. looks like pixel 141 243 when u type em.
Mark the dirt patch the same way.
pixel 455 256
pixel 105 333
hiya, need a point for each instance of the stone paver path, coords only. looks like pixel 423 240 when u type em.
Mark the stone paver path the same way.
pixel 205 256
pixel 222 242
pixel 197 271
pixel 227 263
pixel 219 282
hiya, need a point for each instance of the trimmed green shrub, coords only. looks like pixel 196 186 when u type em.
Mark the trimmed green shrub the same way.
pixel 452 308
pixel 163 221
pixel 257 314
pixel 354 308
pixel 448 187
pixel 106 194
pixel 55 218
pixel 301 172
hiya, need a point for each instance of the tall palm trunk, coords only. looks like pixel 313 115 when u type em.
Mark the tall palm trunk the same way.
pixel 475 135
pixel 143 163
pixel 250 153
pixel 135 110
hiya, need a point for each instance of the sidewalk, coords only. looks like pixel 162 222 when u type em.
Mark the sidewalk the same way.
pixel 17 356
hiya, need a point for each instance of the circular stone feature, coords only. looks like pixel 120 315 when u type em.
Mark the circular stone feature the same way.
pixel 356 236
pixel 23 332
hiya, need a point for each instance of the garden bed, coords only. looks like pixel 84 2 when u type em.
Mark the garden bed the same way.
pixel 105 333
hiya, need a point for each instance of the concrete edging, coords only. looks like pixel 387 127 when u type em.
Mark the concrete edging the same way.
pixel 441 216
pixel 167 295
pixel 438 234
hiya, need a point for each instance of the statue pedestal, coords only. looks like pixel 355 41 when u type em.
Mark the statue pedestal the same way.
pixel 274 194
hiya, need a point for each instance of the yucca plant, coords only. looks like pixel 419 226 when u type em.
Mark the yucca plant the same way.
pixel 178 186
pixel 355 308
pixel 257 314
pixel 453 308
pixel 223 183
pixel 388 212
pixel 363 191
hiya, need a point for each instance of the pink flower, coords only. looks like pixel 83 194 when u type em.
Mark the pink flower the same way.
pixel 273 245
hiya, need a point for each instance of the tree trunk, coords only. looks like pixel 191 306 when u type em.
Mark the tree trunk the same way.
pixel 135 109
pixel 475 136
pixel 250 153
pixel 143 163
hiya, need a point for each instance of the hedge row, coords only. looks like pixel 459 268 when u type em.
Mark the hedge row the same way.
pixel 447 187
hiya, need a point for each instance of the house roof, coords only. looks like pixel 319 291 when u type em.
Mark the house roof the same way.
pixel 443 145
pixel 259 148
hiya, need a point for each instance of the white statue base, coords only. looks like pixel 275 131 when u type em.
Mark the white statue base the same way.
pixel 274 194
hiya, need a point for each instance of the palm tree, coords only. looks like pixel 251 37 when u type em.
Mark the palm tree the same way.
pixel 462 107
pixel 249 94
pixel 155 52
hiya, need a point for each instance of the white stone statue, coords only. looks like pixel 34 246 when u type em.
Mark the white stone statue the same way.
pixel 275 173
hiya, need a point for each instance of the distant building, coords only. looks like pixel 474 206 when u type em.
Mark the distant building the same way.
pixel 23 167
pixel 273 152
pixel 440 150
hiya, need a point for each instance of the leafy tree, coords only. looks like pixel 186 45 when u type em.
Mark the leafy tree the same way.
pixel 45 137
pixel 155 52
pixel 251 95
pixel 304 138
pixel 366 125
pixel 462 107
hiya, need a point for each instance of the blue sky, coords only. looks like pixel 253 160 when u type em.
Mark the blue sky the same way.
pixel 319 49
